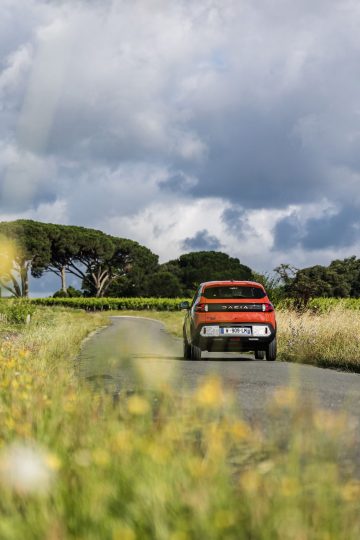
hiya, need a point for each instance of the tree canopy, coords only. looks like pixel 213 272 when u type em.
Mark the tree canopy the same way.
pixel 196 267
pixel 97 259
pixel 125 271
pixel 340 279
pixel 25 248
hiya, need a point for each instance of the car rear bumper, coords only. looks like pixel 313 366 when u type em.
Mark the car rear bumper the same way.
pixel 233 343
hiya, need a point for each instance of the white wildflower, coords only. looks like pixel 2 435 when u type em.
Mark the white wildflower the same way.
pixel 26 469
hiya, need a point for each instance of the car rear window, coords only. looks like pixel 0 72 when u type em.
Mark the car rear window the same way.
pixel 234 292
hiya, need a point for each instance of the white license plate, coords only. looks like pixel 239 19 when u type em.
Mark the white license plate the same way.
pixel 236 331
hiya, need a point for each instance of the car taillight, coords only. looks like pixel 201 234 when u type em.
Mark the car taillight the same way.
pixel 201 308
pixel 267 307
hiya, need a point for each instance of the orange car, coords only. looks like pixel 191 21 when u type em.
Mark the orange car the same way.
pixel 230 316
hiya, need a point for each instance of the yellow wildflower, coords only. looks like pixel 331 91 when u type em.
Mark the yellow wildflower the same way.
pixel 123 532
pixel 285 397
pixel 122 442
pixel 179 535
pixel 210 393
pixel 137 405
pixel 240 430
pixel 224 519
pixel 159 454
pixel 100 457
pixel 351 491
pixel 250 481
pixel 53 462
pixel 289 487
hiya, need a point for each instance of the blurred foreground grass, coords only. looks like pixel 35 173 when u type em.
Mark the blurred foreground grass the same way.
pixel 76 465
pixel 328 339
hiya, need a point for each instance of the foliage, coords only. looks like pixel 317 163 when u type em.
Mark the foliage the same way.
pixel 165 284
pixel 285 273
pixel 340 279
pixel 199 266
pixel 320 305
pixel 105 304
pixel 17 311
pixel 70 292
pixel 23 248
pixel 137 265
pixel 272 283
pixel 99 260
pixel 90 255
pixel 159 464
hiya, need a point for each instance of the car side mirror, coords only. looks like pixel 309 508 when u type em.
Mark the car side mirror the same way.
pixel 184 305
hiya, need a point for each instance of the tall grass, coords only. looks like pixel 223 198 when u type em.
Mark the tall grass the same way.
pixel 329 339
pixel 160 465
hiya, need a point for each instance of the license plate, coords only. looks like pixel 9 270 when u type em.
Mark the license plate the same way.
pixel 236 331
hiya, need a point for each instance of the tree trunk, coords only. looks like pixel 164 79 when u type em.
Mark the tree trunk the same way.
pixel 100 278
pixel 24 277
pixel 6 286
pixel 16 286
pixel 63 279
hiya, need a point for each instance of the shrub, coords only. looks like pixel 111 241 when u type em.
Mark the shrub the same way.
pixel 71 292
pixel 17 311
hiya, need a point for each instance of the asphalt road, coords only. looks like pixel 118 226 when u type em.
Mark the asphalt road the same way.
pixel 137 353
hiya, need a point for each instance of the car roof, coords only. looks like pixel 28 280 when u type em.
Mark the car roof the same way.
pixel 230 282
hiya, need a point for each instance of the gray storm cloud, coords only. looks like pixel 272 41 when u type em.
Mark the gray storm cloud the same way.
pixel 115 107
pixel 201 241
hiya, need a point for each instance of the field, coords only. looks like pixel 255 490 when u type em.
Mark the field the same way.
pixel 164 466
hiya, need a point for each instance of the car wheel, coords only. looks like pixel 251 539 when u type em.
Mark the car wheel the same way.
pixel 259 355
pixel 271 350
pixel 187 350
pixel 195 352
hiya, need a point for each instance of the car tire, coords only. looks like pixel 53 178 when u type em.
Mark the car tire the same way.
pixel 259 355
pixel 271 351
pixel 187 350
pixel 195 352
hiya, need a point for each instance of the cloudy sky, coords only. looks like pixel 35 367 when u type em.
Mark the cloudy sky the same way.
pixel 215 124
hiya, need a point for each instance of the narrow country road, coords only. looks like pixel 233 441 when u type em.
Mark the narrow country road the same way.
pixel 137 352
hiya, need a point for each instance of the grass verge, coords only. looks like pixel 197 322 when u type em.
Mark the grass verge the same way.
pixel 330 339
pixel 159 466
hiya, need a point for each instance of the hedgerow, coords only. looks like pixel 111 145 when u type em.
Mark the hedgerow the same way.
pixel 321 305
pixel 105 304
